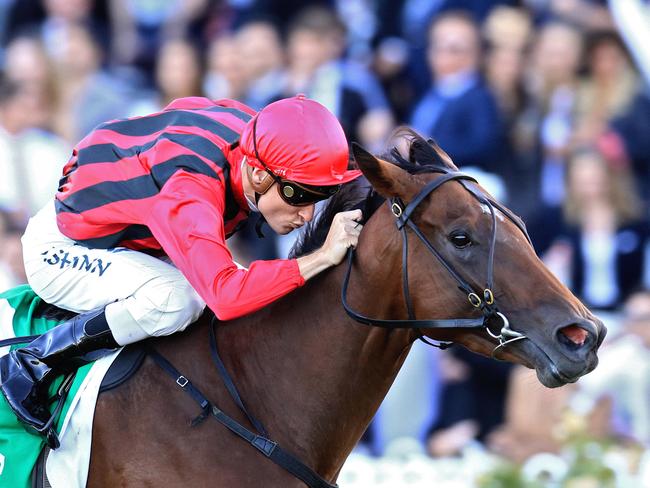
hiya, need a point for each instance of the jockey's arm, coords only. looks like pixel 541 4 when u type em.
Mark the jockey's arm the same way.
pixel 187 221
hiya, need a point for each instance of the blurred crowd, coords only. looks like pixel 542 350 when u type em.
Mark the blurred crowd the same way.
pixel 547 101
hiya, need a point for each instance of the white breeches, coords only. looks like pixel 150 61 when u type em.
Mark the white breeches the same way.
pixel 144 296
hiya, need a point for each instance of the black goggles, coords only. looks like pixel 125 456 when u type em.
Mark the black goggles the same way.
pixel 298 194
pixel 294 193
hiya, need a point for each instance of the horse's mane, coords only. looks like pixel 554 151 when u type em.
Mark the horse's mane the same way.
pixel 407 150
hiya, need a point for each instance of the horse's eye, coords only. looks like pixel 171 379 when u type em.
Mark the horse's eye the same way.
pixel 460 240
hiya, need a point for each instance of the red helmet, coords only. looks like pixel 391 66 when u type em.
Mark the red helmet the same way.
pixel 298 140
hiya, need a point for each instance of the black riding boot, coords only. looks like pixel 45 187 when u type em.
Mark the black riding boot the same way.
pixel 27 373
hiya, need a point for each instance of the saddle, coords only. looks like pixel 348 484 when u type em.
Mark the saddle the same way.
pixel 127 363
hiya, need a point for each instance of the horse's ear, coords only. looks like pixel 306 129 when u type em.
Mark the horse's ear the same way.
pixel 386 178
pixel 442 156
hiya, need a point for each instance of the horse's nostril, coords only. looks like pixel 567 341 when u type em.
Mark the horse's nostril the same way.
pixel 576 335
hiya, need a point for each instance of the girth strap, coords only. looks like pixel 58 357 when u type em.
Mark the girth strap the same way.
pixel 262 443
pixel 180 379
pixel 228 382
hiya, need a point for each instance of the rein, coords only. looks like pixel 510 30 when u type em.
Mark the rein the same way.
pixel 482 300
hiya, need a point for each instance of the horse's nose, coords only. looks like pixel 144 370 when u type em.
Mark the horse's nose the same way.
pixel 580 337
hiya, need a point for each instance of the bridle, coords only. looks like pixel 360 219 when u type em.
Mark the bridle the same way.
pixel 481 300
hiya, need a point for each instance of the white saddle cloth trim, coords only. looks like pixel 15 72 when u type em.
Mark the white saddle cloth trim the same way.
pixel 67 467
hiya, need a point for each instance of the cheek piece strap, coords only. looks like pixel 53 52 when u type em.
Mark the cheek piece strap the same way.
pixel 260 189
pixel 263 186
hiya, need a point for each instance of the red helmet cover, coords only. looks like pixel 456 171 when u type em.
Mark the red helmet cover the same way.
pixel 299 140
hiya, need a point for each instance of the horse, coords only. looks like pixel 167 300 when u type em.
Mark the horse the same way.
pixel 311 372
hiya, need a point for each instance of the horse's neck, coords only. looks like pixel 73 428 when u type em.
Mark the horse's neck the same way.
pixel 313 376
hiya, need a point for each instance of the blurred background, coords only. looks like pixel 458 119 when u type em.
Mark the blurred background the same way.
pixel 546 101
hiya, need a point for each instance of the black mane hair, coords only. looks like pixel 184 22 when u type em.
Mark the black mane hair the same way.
pixel 355 194
pixel 421 156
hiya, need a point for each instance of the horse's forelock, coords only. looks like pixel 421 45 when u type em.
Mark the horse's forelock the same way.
pixel 415 154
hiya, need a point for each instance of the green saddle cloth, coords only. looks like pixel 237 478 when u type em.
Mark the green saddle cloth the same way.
pixel 19 449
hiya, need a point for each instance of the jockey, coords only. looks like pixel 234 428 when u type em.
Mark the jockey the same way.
pixel 135 239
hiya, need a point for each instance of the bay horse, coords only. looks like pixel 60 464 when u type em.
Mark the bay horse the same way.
pixel 315 376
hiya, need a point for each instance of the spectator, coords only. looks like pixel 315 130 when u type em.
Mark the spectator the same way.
pixel 391 66
pixel 62 15
pixel 141 27
pixel 553 80
pixel 315 45
pixel 89 95
pixel 415 18
pixel 178 75
pixel 459 111
pixel 27 64
pixel 14 16
pixel 360 19
pixel 609 88
pixel 30 157
pixel 178 71
pixel 225 74
pixel 49 20
pixel 626 140
pixel 602 251
pixel 508 32
pixel 258 42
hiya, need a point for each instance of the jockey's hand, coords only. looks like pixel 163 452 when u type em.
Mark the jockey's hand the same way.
pixel 344 233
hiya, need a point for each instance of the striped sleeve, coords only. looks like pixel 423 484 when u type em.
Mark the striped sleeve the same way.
pixel 187 220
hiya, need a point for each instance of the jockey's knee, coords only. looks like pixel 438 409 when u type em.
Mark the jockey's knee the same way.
pixel 167 305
